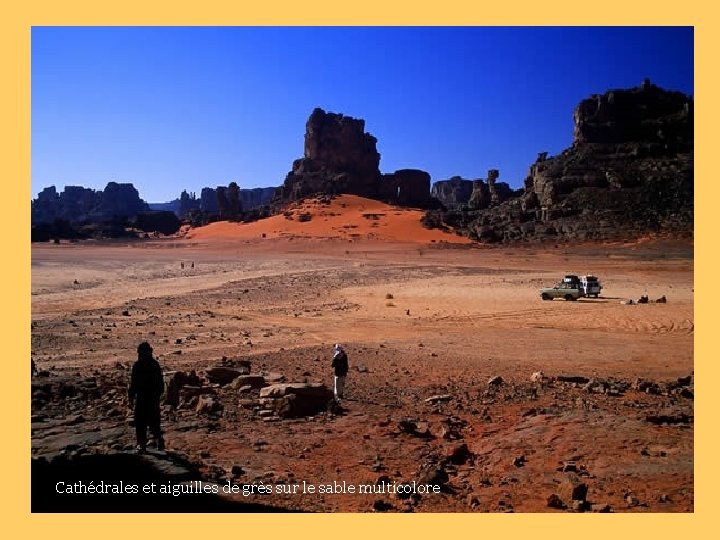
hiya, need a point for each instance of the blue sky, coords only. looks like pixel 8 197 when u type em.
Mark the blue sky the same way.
pixel 170 108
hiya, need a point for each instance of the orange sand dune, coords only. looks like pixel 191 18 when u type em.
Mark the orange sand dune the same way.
pixel 347 217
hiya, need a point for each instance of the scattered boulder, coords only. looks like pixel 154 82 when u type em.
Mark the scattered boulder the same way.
pixel 496 381
pixel 298 389
pixel 576 379
pixel 253 381
pixel 438 398
pixel 554 501
pixel 208 404
pixel 669 418
pixel 572 489
pixel 222 375
pixel 433 474
pixel 175 381
pixel 413 427
pixel 458 454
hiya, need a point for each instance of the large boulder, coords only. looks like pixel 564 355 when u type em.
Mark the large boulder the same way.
pixel 175 381
pixel 253 381
pixel 290 400
pixel 222 375
pixel 298 389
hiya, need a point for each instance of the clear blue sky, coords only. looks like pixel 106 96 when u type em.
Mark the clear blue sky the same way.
pixel 183 108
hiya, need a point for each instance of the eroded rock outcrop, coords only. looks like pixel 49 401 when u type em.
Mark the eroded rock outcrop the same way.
pixel 629 172
pixel 452 193
pixel 76 204
pixel 490 192
pixel 340 157
pixel 406 187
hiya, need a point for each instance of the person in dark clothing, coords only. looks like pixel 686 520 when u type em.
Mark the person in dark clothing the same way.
pixel 146 387
pixel 340 365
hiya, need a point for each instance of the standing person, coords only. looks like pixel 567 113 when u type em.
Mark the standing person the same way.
pixel 146 387
pixel 340 364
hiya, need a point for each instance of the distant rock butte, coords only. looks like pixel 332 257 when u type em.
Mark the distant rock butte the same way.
pixel 340 157
pixel 76 204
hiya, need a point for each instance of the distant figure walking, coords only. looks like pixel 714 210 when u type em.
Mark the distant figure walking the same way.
pixel 340 365
pixel 146 387
pixel 192 264
pixel 182 265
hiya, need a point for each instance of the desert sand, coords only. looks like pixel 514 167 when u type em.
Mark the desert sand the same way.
pixel 421 313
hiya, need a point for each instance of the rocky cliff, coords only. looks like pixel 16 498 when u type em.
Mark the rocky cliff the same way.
pixel 340 157
pixel 77 204
pixel 250 199
pixel 452 193
pixel 628 172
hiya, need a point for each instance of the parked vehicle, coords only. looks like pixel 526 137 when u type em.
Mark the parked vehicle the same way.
pixel 566 290
pixel 590 285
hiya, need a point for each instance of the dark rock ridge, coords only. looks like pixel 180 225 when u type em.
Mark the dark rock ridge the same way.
pixel 249 199
pixel 256 197
pixel 406 187
pixel 162 221
pixel 629 172
pixel 452 193
pixel 460 194
pixel 77 204
pixel 340 157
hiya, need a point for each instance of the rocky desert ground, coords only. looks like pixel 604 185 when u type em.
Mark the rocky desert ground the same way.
pixel 460 375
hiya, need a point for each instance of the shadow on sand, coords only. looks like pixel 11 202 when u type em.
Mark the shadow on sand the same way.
pixel 129 469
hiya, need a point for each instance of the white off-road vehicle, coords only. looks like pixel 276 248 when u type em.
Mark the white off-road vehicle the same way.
pixel 590 285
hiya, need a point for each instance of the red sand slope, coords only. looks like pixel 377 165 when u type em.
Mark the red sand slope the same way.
pixel 345 217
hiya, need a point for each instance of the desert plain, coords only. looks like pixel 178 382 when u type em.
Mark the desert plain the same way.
pixel 443 338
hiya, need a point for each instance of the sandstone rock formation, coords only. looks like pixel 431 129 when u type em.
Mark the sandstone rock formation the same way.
pixel 340 157
pixel 452 193
pixel 77 204
pixel 628 172
pixel 249 199
pixel 256 197
pixel 406 187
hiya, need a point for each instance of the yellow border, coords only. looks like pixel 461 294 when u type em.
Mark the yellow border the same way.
pixel 15 58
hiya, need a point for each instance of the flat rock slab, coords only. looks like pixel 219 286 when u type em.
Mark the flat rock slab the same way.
pixel 299 389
